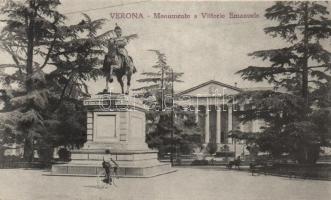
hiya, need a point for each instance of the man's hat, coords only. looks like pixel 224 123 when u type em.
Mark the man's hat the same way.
pixel 117 27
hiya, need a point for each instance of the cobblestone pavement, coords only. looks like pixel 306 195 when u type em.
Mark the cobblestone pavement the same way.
pixel 186 183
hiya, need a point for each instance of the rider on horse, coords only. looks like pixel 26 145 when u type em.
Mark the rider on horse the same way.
pixel 120 42
pixel 117 57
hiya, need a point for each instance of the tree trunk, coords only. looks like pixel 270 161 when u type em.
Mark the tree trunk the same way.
pixel 28 143
pixel 305 92
pixel 30 36
pixel 28 149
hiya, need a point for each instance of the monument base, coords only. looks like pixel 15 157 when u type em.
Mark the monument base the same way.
pixel 115 129
pixel 131 163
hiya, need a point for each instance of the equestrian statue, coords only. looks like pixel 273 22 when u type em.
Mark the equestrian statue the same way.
pixel 117 60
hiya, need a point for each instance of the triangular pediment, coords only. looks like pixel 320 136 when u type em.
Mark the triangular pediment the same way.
pixel 210 88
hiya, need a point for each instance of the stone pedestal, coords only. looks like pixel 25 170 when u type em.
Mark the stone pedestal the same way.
pixel 116 129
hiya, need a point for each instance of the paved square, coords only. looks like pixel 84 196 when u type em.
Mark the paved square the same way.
pixel 186 183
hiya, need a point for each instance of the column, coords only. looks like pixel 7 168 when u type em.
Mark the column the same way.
pixel 207 126
pixel 89 126
pixel 196 112
pixel 229 121
pixel 218 125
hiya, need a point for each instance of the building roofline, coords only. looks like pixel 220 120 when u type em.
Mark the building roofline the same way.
pixel 209 82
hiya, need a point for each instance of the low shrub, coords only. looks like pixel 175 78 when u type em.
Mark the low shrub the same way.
pixel 200 162
pixel 64 154
pixel 45 155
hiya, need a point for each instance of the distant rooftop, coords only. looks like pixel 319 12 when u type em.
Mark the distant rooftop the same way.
pixel 257 88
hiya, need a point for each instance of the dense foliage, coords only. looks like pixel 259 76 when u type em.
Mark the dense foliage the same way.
pixel 51 63
pixel 298 119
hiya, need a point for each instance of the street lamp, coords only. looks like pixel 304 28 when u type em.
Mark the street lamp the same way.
pixel 172 118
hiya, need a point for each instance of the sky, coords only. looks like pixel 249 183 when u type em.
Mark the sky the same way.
pixel 203 49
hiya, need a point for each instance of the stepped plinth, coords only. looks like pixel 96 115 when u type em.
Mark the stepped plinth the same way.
pixel 116 129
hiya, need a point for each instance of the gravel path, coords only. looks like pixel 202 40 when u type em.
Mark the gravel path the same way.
pixel 186 183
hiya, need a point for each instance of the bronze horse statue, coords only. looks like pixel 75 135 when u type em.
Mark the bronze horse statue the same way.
pixel 118 62
pixel 114 64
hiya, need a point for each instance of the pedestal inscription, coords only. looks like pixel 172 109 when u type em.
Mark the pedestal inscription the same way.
pixel 106 127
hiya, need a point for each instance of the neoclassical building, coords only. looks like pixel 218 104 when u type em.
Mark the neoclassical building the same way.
pixel 214 107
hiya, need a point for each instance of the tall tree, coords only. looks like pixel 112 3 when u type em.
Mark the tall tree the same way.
pixel 302 67
pixel 305 63
pixel 159 82
pixel 157 93
pixel 28 25
pixel 36 37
